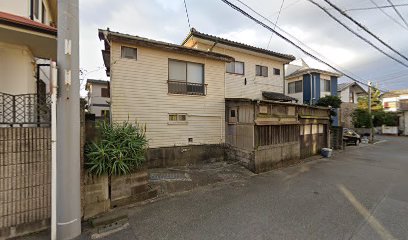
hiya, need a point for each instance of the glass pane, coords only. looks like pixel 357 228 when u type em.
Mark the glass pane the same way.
pixel 264 71
pixel 177 71
pixel 182 117
pixel 172 117
pixel 239 67
pixel 128 52
pixel 195 73
pixel 258 70
pixel 231 67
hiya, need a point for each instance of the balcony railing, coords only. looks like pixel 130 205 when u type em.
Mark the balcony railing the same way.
pixel 24 109
pixel 187 88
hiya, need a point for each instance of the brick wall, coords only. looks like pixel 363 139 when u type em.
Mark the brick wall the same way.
pixel 25 180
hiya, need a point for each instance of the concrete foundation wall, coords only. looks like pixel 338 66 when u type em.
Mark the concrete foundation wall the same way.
pixel 95 199
pixel 183 155
pixel 276 156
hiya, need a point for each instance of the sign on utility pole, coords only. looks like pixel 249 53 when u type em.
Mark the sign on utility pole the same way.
pixel 68 122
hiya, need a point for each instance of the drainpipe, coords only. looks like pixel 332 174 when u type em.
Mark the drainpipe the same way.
pixel 53 89
pixel 284 81
pixel 311 90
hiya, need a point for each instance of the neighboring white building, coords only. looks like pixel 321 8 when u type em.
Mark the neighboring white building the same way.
pixel 28 40
pixel 28 37
pixel 349 94
pixel 397 101
pixel 256 73
pixel 98 98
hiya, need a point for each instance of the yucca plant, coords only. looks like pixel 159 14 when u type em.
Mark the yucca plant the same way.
pixel 119 149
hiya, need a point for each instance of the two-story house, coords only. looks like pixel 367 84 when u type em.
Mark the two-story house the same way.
pixel 309 84
pixel 256 73
pixel 28 39
pixel 397 101
pixel 176 91
pixel 348 93
pixel 98 98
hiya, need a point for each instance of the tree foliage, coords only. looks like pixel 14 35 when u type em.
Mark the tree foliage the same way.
pixel 119 150
pixel 361 118
pixel 376 104
pixel 329 101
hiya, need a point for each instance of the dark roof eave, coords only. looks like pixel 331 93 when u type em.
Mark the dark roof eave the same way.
pixel 161 45
pixel 195 33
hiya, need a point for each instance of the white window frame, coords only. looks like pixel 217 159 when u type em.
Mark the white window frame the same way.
pixel 323 85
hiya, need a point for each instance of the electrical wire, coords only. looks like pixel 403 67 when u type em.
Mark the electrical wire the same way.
pixel 288 40
pixel 398 13
pixel 355 33
pixel 364 28
pixel 371 8
pixel 276 22
pixel 188 18
pixel 388 15
pixel 298 41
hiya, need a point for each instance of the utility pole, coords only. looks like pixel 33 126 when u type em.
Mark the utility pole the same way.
pixel 369 112
pixel 68 122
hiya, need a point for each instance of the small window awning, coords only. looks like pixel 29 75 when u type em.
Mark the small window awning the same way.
pixel 279 97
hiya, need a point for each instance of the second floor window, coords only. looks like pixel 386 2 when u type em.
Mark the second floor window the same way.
pixel 325 85
pixel 128 52
pixel 235 67
pixel 36 9
pixel 261 70
pixel 186 78
pixel 105 92
pixel 276 71
pixel 295 87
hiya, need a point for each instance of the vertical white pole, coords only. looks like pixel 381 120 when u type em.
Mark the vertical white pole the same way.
pixel 53 150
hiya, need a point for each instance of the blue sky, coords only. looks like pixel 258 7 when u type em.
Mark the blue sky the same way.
pixel 166 20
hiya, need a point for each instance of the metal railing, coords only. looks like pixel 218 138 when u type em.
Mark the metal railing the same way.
pixel 24 109
pixel 187 88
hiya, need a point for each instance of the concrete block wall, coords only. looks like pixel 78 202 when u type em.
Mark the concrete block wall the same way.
pixel 95 197
pixel 25 180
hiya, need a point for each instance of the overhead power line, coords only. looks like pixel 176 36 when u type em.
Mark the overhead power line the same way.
pixel 378 7
pixel 398 13
pixel 188 18
pixel 276 22
pixel 294 38
pixel 365 28
pixel 357 34
pixel 388 15
pixel 288 40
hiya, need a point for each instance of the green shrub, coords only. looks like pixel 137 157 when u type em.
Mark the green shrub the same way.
pixel 361 118
pixel 119 150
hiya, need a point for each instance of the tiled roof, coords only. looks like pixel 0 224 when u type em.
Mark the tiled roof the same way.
pixel 132 39
pixel 278 97
pixel 195 33
pixel 23 22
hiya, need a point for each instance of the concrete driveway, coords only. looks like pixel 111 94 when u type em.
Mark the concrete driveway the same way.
pixel 360 193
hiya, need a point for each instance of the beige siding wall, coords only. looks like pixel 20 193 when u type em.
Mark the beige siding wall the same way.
pixel 235 84
pixel 140 92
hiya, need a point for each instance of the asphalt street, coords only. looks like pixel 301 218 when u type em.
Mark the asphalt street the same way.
pixel 360 193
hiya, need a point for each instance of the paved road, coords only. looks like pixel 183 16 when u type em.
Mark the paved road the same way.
pixel 361 193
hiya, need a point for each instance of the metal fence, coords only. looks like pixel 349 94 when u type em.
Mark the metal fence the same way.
pixel 25 110
pixel 187 88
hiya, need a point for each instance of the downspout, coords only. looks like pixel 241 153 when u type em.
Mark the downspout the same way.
pixel 284 80
pixel 311 89
pixel 53 88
